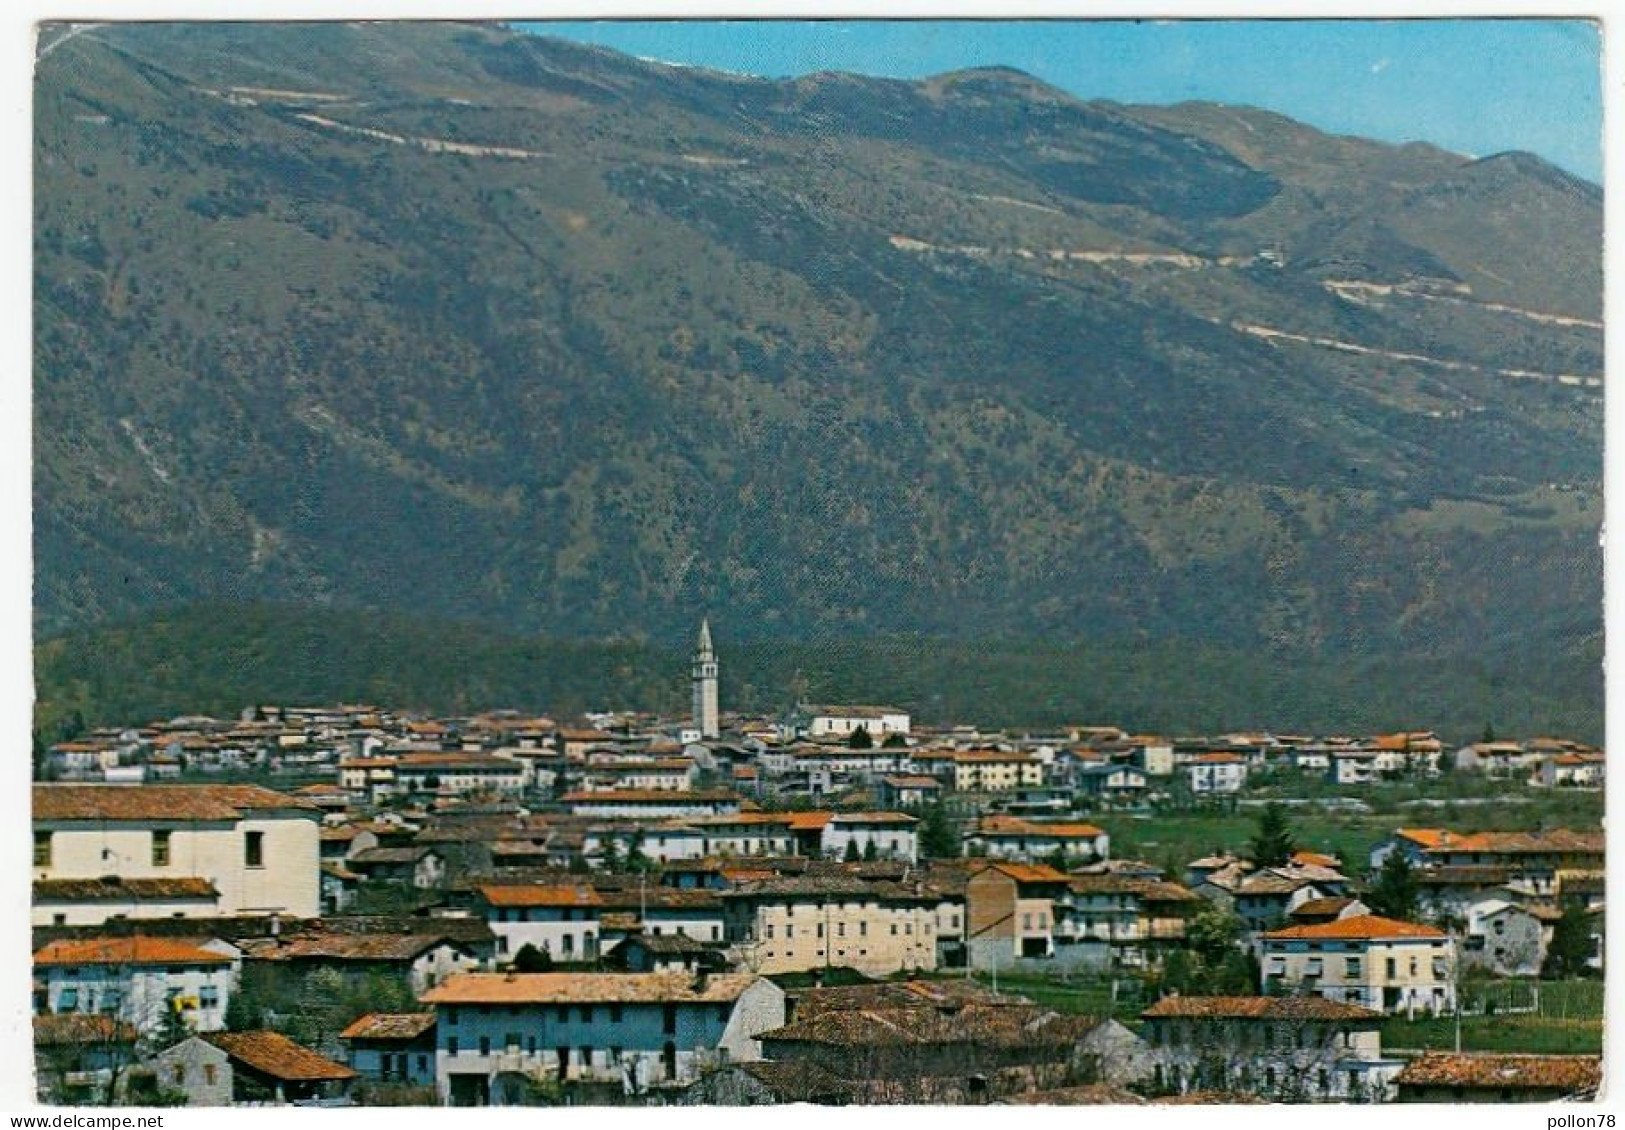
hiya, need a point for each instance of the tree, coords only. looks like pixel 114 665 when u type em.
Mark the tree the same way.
pixel 609 853
pixel 1212 933
pixel 938 837
pixel 1058 858
pixel 1272 845
pixel 1571 946
pixel 529 959
pixel 860 739
pixel 1489 734
pixel 636 858
pixel 852 851
pixel 894 740
pixel 1236 976
pixel 171 1028
pixel 1394 894
pixel 871 851
pixel 1177 973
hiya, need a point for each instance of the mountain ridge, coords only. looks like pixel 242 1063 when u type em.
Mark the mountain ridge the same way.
pixel 516 331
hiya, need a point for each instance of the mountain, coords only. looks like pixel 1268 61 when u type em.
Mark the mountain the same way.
pixel 500 329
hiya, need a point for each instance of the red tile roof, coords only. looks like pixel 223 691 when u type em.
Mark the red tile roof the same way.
pixel 587 988
pixel 1525 1072
pixel 389 1026
pixel 273 1054
pixel 528 895
pixel 1028 872
pixel 126 951
pixel 1256 1008
pixel 1363 926
pixel 113 888
pixel 158 802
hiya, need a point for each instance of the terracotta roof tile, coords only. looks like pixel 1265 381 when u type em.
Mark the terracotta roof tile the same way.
pixel 1028 872
pixel 113 888
pixel 273 1054
pixel 1544 1072
pixel 531 895
pixel 1256 1008
pixel 588 988
pixel 126 951
pixel 158 802
pixel 1363 926
pixel 389 1026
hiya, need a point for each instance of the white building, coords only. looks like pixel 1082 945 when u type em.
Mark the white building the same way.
pixel 137 980
pixel 1216 773
pixel 843 721
pixel 257 847
pixel 560 921
pixel 892 834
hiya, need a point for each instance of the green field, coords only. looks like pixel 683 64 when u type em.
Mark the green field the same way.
pixel 1568 1020
pixel 1171 839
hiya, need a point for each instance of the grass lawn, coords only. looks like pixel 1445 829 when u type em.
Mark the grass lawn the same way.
pixel 1175 838
pixel 1569 1021
pixel 1539 1034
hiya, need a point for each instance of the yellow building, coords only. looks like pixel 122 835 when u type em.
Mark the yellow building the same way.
pixel 1367 960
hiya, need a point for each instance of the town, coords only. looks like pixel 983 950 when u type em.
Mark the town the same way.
pixel 345 905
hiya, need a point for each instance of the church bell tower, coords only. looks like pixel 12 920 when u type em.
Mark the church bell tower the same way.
pixel 704 673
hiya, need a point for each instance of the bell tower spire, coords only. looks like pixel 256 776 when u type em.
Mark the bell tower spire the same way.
pixel 704 674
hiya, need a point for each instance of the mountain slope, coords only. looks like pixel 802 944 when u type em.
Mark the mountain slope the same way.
pixel 504 329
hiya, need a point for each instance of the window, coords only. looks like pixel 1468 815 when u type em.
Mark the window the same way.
pixel 569 945
pixel 615 1013
pixel 485 1045
pixel 423 1062
pixel 254 849
pixel 42 849
pixel 451 1016
pixel 68 1000
pixel 1352 966
pixel 1393 969
pixel 451 1045
pixel 209 996
pixel 178 1073
pixel 863 929
pixel 562 1014
pixel 160 849
pixel 209 1073
pixel 770 933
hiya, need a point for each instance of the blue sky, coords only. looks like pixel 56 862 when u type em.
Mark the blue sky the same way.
pixel 1474 86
